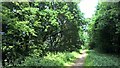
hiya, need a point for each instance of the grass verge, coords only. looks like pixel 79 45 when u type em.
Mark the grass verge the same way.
pixel 95 58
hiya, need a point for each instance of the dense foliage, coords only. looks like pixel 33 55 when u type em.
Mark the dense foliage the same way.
pixel 105 28
pixel 39 27
pixel 38 33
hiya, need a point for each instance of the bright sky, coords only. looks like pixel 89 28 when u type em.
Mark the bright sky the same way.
pixel 88 7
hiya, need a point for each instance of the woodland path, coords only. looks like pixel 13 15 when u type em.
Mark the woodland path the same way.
pixel 78 63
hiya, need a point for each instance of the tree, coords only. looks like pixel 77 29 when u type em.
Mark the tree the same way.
pixel 106 27
pixel 38 27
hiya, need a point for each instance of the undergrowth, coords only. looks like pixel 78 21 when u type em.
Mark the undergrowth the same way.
pixel 95 58
pixel 52 59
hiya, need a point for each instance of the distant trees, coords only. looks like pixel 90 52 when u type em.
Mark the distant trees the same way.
pixel 38 27
pixel 105 34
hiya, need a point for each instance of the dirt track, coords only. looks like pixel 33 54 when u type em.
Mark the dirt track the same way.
pixel 78 63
